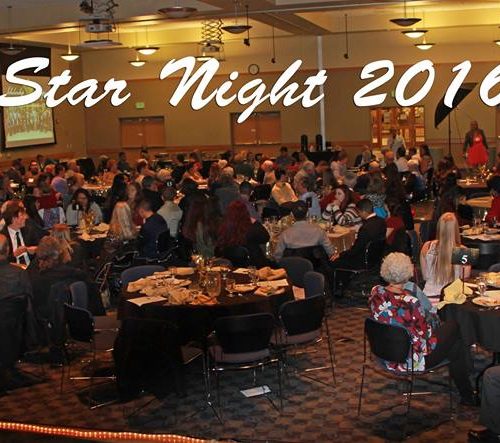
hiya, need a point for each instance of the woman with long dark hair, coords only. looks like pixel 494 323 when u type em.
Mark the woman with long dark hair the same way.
pixel 201 224
pixel 237 229
pixel 342 210
pixel 82 203
pixel 117 192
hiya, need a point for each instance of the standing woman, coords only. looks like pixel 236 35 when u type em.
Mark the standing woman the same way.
pixel 475 146
pixel 435 257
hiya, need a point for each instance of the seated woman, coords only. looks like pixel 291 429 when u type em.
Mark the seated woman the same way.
pixel 193 173
pixel 200 226
pixel 342 210
pixel 237 229
pixel 435 256
pixel 432 342
pixel 34 223
pixel 134 197
pixel 48 200
pixel 282 192
pixel 394 223
pixel 72 252
pixel 82 204
pixel 375 192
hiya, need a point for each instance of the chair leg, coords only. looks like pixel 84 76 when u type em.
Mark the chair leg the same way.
pixel 280 384
pixel 408 405
pixel 450 389
pixel 331 351
pixel 361 388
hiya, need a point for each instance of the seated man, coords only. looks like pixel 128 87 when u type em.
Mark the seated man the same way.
pixel 373 229
pixel 153 226
pixel 170 211
pixel 14 308
pixel 490 405
pixel 305 194
pixel 302 234
pixel 21 246
pixel 150 192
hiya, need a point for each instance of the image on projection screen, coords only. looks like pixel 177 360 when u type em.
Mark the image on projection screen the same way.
pixel 27 125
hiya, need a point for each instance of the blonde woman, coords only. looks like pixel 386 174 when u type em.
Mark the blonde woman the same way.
pixel 72 252
pixel 435 257
pixel 121 226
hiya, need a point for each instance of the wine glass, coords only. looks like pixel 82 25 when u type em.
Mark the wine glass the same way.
pixel 481 284
pixel 252 273
pixel 224 270
pixel 213 284
pixel 230 286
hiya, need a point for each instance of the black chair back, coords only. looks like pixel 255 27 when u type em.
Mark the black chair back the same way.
pixel 138 272
pixel 12 315
pixel 314 284
pixel 244 333
pixel 315 254
pixel 301 316
pixel 79 295
pixel 296 267
pixel 388 342
pixel 374 253
pixel 237 255
pixel 261 192
pixel 80 323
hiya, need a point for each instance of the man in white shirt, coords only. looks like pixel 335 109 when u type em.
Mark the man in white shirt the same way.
pixel 310 198
pixel 20 247
pixel 395 141
pixel 170 212
pixel 302 234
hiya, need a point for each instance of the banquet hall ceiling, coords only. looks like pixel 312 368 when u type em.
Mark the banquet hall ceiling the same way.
pixel 59 21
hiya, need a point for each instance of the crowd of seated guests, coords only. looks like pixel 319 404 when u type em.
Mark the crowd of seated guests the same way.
pixel 218 210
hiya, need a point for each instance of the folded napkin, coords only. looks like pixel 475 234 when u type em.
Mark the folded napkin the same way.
pixel 267 273
pixel 455 293
pixel 266 291
pixel 145 300
pixel 273 284
pixel 184 271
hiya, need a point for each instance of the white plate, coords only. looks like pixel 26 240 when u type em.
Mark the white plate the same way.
pixel 486 301
pixel 244 288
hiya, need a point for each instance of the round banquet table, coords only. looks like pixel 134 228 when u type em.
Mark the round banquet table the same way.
pixel 196 322
pixel 478 325
pixel 489 251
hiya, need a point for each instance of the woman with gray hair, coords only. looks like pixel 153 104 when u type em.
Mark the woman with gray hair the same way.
pixel 395 304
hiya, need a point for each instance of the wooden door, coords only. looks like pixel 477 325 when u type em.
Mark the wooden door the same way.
pixel 142 132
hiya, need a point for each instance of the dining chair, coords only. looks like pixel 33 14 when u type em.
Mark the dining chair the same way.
pixel 137 272
pixel 391 343
pixel 79 294
pixel 296 268
pixel 301 323
pixel 314 284
pixel 81 329
pixel 240 343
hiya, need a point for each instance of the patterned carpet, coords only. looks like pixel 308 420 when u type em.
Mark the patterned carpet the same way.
pixel 312 411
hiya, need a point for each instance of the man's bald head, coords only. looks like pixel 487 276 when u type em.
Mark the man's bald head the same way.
pixel 4 247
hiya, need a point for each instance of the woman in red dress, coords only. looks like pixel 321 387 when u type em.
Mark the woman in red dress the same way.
pixel 475 146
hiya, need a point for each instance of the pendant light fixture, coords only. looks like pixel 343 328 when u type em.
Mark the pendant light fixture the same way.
pixel 177 11
pixel 405 21
pixel 414 33
pixel 147 50
pixel 11 49
pixel 424 45
pixel 237 28
pixel 70 56
pixel 137 63
pixel 497 42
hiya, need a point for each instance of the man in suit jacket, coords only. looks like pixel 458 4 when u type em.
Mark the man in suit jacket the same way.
pixel 21 246
pixel 373 228
pixel 153 226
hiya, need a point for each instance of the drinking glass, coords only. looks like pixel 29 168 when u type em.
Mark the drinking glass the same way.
pixel 224 270
pixel 481 284
pixel 252 273
pixel 213 284
pixel 230 283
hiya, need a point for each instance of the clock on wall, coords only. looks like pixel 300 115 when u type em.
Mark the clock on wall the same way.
pixel 253 69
